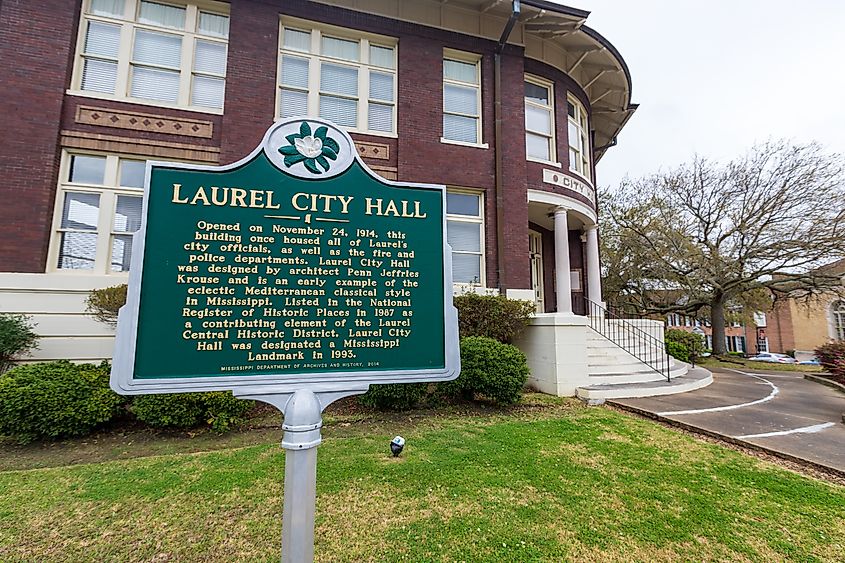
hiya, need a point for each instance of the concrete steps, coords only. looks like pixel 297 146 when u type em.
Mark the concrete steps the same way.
pixel 693 379
pixel 615 373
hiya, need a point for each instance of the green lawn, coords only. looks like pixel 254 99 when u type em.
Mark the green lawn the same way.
pixel 742 364
pixel 550 480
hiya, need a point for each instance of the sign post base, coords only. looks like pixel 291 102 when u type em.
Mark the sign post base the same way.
pixel 303 420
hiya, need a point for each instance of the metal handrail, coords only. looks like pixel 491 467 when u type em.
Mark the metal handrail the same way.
pixel 643 346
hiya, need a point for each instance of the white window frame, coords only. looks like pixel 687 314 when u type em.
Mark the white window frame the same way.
pixel 108 192
pixel 837 320
pixel 581 122
pixel 552 137
pixel 479 220
pixel 474 59
pixel 129 26
pixel 364 66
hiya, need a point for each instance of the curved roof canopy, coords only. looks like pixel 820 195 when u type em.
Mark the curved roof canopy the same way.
pixel 550 32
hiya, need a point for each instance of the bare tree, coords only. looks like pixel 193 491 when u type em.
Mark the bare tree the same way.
pixel 704 236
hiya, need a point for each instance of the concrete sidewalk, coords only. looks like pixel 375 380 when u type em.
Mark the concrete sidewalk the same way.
pixel 779 412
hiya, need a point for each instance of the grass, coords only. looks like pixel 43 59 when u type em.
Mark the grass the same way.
pixel 549 480
pixel 742 363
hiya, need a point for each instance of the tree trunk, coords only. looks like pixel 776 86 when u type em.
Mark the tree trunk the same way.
pixel 717 324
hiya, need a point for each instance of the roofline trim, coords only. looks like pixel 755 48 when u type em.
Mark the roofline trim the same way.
pixel 559 8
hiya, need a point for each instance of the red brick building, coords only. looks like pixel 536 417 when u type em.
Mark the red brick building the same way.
pixel 742 337
pixel 509 104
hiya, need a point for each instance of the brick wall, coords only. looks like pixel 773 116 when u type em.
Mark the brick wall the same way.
pixel 37 42
pixel 36 49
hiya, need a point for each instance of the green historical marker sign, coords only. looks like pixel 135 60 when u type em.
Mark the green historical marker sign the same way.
pixel 294 266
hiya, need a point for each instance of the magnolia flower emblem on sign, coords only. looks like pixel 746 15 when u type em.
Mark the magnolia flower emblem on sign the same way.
pixel 310 149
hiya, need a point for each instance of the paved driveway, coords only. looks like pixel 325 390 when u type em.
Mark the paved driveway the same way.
pixel 779 411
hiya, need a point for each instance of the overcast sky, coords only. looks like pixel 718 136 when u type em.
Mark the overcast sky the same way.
pixel 714 77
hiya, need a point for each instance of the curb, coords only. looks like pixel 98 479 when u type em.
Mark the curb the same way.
pixel 825 381
pixel 736 442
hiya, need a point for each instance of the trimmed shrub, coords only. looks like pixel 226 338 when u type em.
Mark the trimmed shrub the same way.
pixel 394 396
pixel 104 304
pixel 172 410
pixel 220 410
pixel 493 316
pixel 832 357
pixel 677 351
pixel 224 411
pixel 55 400
pixel 691 342
pixel 16 338
pixel 489 368
pixel 688 339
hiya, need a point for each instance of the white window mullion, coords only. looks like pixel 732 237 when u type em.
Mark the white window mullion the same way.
pixel 130 8
pixel 186 68
pixel 188 54
pixel 104 220
pixel 191 15
pixel 314 85
pixel 126 38
pixel 110 176
pixel 316 39
pixel 363 96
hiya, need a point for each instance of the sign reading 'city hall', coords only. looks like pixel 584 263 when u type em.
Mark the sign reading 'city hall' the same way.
pixel 296 265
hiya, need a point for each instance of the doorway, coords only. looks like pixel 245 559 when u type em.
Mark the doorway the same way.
pixel 535 250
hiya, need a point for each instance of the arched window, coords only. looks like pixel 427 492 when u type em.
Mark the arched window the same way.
pixel 837 311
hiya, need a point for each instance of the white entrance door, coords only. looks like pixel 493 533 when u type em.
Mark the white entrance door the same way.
pixel 535 249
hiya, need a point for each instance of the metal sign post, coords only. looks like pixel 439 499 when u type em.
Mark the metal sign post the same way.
pixel 295 277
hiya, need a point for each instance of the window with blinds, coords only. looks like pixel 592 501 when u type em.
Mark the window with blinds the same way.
pixel 159 53
pixel 462 98
pixel 465 234
pixel 539 120
pixel 98 208
pixel 579 140
pixel 338 75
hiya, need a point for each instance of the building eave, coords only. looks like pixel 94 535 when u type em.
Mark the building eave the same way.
pixel 549 32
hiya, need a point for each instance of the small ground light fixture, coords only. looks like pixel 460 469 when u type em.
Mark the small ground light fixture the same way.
pixel 396 445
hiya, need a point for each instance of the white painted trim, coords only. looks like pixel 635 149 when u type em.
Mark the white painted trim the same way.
pixel 363 65
pixel 464 143
pixel 803 430
pixel 544 162
pixel 560 200
pixel 123 367
pixel 128 25
pixel 468 58
pixel 550 107
pixel 769 397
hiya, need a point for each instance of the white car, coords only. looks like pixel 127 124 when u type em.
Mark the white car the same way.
pixel 773 358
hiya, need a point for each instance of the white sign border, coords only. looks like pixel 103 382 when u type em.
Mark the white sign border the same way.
pixel 123 367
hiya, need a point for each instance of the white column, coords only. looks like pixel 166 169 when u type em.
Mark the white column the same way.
pixel 563 285
pixel 593 266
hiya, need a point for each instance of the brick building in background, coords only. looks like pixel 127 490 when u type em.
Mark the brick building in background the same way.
pixel 801 326
pixel 740 336
pixel 508 104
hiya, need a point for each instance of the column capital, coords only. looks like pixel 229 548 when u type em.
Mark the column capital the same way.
pixel 593 227
pixel 561 210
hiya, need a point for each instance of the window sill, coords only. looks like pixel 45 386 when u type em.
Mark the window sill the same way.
pixel 140 102
pixel 446 141
pixel 545 162
pixel 82 273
